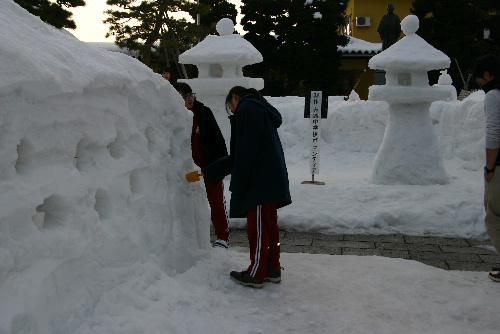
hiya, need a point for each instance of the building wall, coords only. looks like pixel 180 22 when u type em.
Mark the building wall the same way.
pixel 374 9
pixel 351 69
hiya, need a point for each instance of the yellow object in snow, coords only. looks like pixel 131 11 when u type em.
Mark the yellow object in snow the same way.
pixel 193 176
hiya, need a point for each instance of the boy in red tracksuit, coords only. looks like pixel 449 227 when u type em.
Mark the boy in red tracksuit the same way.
pixel 208 145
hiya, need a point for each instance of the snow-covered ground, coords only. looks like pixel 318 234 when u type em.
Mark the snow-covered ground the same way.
pixel 319 294
pixel 100 233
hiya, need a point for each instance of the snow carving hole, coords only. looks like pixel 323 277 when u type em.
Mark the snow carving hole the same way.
pixel 103 205
pixel 150 136
pixel 117 147
pixel 89 155
pixel 25 151
pixel 52 213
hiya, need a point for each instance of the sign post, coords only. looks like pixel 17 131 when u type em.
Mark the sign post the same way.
pixel 316 108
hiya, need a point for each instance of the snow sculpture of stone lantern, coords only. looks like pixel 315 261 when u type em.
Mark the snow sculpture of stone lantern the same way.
pixel 446 82
pixel 409 153
pixel 220 61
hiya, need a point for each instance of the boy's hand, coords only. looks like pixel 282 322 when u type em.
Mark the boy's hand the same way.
pixel 488 177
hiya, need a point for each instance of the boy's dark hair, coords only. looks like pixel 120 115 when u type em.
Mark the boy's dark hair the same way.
pixel 243 92
pixel 183 88
pixel 167 69
pixel 488 63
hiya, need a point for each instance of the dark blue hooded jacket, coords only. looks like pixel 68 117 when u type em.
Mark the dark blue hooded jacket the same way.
pixel 257 162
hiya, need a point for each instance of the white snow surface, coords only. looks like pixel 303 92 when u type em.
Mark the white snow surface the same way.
pixel 319 294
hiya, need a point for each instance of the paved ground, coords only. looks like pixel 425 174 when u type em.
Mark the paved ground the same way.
pixel 446 253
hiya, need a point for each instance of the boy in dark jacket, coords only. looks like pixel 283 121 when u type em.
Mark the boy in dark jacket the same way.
pixel 207 146
pixel 259 181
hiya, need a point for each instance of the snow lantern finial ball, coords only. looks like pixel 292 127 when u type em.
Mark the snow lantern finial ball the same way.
pixel 410 25
pixel 225 27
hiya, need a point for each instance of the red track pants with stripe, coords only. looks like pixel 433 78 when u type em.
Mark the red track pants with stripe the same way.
pixel 264 240
pixel 215 195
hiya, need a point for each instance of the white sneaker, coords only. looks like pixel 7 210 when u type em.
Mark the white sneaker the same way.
pixel 220 243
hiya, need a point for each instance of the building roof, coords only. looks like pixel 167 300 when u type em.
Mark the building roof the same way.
pixel 357 46
pixel 411 53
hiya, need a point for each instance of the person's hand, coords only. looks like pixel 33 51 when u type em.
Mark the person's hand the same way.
pixel 489 173
pixel 193 176
pixel 489 176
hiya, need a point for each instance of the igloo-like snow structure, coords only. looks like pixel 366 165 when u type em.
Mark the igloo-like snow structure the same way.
pixel 409 153
pixel 93 150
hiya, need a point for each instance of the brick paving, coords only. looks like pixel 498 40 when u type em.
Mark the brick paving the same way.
pixel 445 253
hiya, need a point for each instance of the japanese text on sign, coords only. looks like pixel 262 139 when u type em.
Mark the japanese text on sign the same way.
pixel 315 109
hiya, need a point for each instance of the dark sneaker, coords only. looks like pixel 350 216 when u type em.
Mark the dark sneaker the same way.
pixel 494 275
pixel 243 278
pixel 273 276
pixel 220 243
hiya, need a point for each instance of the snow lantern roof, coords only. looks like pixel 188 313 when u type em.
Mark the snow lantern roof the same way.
pixel 359 46
pixel 411 53
pixel 226 48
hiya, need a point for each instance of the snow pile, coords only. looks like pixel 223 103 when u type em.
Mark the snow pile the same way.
pixel 461 128
pixel 93 147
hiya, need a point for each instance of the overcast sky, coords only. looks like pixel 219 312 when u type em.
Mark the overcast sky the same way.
pixel 89 20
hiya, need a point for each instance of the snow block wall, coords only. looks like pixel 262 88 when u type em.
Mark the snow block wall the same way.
pixel 359 126
pixel 461 129
pixel 93 151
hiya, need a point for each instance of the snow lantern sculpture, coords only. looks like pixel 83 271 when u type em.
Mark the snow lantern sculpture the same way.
pixel 409 153
pixel 446 82
pixel 220 61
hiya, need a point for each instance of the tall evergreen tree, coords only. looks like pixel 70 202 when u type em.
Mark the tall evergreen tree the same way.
pixel 210 12
pixel 54 12
pixel 298 41
pixel 260 21
pixel 149 27
pixel 140 25
pixel 465 42
pixel 311 34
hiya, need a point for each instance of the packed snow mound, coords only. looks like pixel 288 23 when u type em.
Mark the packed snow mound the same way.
pixel 93 151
